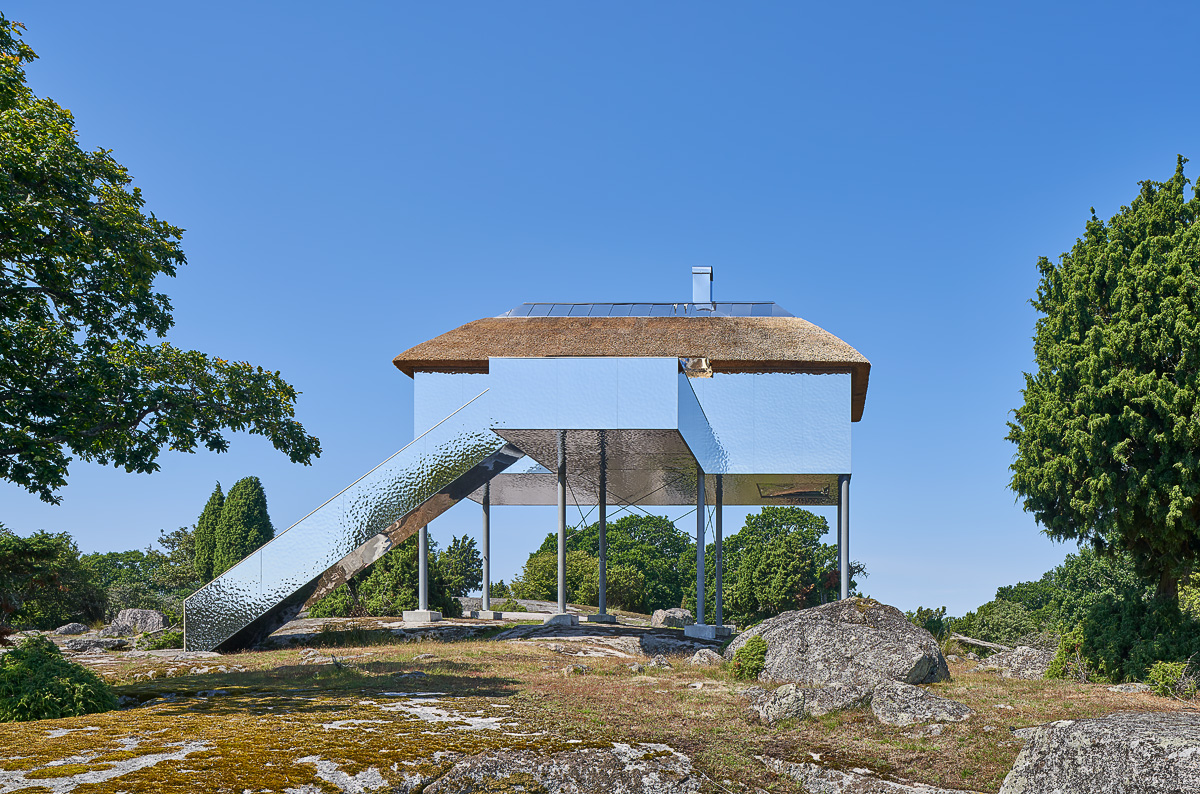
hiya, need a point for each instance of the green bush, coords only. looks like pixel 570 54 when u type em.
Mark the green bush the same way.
pixel 37 683
pixel 388 587
pixel 932 620
pixel 167 639
pixel 1069 661
pixel 1173 679
pixel 510 606
pixel 750 659
pixel 998 621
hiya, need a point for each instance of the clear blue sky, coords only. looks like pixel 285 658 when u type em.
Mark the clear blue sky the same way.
pixel 355 180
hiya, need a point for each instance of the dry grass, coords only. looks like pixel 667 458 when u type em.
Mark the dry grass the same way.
pixel 280 705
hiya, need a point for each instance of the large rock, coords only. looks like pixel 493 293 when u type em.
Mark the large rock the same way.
pixel 790 702
pixel 671 618
pixel 855 641
pixel 819 779
pixel 1128 752
pixel 135 621
pixel 706 657
pixel 71 628
pixel 94 644
pixel 1022 662
pixel 904 704
pixel 623 769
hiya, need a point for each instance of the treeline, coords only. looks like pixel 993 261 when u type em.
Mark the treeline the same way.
pixel 388 586
pixel 1107 622
pixel 45 581
pixel 774 563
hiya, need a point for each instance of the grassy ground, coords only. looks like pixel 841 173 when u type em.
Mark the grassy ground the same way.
pixel 277 707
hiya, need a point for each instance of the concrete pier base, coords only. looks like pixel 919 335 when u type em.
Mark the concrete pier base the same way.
pixel 421 616
pixel 486 614
pixel 561 619
pixel 704 632
pixel 598 618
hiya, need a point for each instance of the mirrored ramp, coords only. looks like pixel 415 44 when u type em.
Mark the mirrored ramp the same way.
pixel 349 532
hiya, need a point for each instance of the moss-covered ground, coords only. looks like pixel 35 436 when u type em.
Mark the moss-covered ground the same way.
pixel 290 718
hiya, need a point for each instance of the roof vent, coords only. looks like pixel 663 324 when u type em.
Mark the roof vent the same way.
pixel 702 287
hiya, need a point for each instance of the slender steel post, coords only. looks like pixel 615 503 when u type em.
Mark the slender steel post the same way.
pixel 562 522
pixel 603 510
pixel 487 547
pixel 720 561
pixel 844 532
pixel 423 569
pixel 699 546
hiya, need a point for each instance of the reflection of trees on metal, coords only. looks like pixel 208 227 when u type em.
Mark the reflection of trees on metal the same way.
pixel 764 401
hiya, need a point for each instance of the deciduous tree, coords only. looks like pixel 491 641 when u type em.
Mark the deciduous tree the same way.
pixel 78 260
pixel 1108 433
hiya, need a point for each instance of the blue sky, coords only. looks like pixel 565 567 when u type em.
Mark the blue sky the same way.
pixel 355 181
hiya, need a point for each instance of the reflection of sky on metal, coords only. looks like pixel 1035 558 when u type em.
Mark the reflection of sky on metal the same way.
pixel 777 438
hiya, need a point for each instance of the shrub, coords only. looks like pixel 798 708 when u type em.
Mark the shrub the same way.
pixel 750 659
pixel 511 606
pixel 1173 679
pixel 998 621
pixel 1069 661
pixel 932 620
pixel 37 683
pixel 167 639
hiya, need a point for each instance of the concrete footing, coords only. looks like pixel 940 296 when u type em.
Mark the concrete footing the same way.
pixel 705 632
pixel 598 618
pixel 421 616
pixel 486 614
pixel 561 619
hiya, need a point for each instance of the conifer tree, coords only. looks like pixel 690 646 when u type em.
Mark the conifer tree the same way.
pixel 244 524
pixel 205 537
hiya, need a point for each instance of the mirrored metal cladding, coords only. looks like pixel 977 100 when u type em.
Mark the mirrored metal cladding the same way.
pixel 348 532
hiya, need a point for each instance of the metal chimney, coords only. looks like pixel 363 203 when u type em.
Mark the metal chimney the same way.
pixel 702 285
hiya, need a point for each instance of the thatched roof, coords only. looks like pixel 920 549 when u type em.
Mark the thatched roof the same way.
pixel 732 344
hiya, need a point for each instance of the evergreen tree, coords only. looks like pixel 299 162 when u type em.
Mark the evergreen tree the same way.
pixel 244 524
pixel 205 538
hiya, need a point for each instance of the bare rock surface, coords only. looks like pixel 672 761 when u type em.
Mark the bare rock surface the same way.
pixel 706 657
pixel 676 618
pixel 71 629
pixel 904 704
pixel 854 641
pixel 793 702
pixel 621 769
pixel 1133 688
pixel 1128 752
pixel 135 621
pixel 1022 662
pixel 819 779
pixel 95 644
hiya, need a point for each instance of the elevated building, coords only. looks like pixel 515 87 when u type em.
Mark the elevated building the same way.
pixel 700 403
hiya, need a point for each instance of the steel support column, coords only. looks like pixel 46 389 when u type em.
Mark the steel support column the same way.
pixel 562 522
pixel 699 546
pixel 720 561
pixel 487 547
pixel 844 533
pixel 603 511
pixel 423 569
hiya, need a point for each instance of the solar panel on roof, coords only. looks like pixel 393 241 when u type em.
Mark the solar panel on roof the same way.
pixel 744 309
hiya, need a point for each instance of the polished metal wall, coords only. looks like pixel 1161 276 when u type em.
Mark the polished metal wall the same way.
pixel 349 531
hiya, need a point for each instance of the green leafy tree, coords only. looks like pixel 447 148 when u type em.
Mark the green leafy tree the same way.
pixel 463 566
pixel 1107 434
pixel 206 535
pixel 44 583
pixel 149 579
pixel 78 260
pixel 652 545
pixel 776 562
pixel 998 621
pixel 244 525
pixel 389 587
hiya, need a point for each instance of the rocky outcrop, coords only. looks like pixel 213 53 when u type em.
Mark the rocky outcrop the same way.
pixel 854 641
pixel 671 618
pixel 95 644
pixel 706 658
pixel 819 779
pixel 1130 689
pixel 1022 662
pixel 71 629
pixel 790 701
pixel 1143 752
pixel 135 621
pixel 904 704
pixel 621 769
